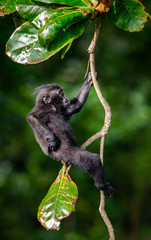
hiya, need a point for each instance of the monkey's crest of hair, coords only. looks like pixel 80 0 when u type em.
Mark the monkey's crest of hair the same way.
pixel 46 86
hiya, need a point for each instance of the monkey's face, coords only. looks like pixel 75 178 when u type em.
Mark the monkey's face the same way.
pixel 53 97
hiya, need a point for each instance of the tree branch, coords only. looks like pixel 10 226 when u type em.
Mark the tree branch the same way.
pixel 104 130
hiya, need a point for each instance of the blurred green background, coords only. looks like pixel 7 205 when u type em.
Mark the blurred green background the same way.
pixel 124 66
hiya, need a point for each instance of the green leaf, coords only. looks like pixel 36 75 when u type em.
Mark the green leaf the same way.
pixel 59 202
pixel 29 9
pixel 51 22
pixel 65 50
pixel 7 7
pixel 130 15
pixel 17 19
pixel 114 6
pixel 24 47
pixel 71 3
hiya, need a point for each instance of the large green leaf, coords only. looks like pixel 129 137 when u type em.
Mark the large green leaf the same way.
pixel 59 202
pixel 29 9
pixel 7 7
pixel 71 3
pixel 24 47
pixel 51 22
pixel 130 15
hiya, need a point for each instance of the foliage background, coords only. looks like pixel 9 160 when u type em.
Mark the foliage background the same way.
pixel 123 63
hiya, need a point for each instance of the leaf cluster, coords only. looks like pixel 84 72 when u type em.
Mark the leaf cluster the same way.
pixel 51 25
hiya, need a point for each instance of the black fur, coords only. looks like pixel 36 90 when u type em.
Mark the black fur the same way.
pixel 54 135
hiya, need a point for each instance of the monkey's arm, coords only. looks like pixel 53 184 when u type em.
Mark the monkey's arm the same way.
pixel 78 101
pixel 43 131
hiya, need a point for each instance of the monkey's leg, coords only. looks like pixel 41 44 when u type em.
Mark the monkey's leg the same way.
pixel 90 163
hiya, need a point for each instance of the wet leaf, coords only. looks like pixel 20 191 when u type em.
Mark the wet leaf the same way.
pixel 130 15
pixel 24 46
pixel 71 3
pixel 59 202
pixel 7 7
pixel 29 9
pixel 51 22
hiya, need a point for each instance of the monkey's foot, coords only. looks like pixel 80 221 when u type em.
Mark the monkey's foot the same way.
pixel 108 189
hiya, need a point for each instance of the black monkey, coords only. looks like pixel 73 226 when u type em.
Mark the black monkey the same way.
pixel 49 122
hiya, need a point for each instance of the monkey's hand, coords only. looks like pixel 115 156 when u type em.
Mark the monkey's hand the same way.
pixel 89 79
pixel 53 142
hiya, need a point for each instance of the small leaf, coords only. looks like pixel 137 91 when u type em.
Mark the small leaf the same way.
pixel 29 9
pixel 71 3
pixel 104 6
pixel 65 50
pixel 24 47
pixel 17 19
pixel 114 6
pixel 130 15
pixel 59 202
pixel 51 22
pixel 7 7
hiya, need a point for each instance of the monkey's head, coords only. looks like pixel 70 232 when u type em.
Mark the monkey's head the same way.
pixel 51 94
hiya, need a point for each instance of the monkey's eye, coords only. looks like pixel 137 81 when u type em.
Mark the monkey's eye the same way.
pixel 46 99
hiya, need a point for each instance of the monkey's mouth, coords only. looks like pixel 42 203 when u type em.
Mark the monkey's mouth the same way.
pixel 66 102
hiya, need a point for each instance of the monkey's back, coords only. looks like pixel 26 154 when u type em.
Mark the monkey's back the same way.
pixel 60 127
